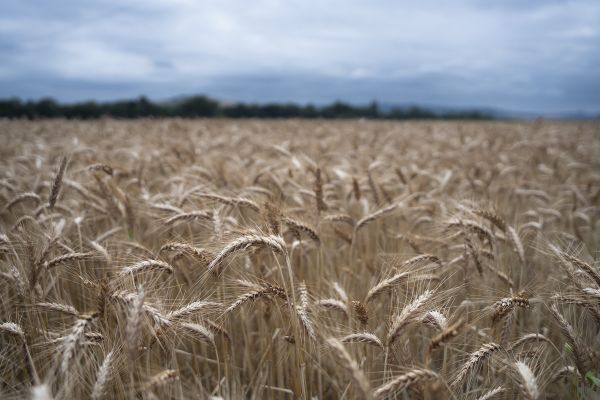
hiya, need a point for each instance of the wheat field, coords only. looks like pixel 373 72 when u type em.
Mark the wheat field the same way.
pixel 240 259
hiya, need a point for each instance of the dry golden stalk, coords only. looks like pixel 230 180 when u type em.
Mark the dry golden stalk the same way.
pixel 232 201
pixel 363 337
pixel 190 216
pixel 409 313
pixel 73 342
pixel 216 328
pixel 192 308
pixel 404 381
pixel 355 189
pixel 12 329
pixel 343 235
pixel 297 227
pixel 343 218
pixel 111 232
pixel 504 306
pixel 421 259
pixel 66 258
pixel 565 371
pixel 275 243
pixel 470 251
pixel 373 188
pixel 372 217
pixel 200 253
pixel 410 242
pixel 436 320
pixel 303 312
pixel 340 292
pixel 401 176
pixel 107 169
pixel 57 183
pixel 528 382
pixel 473 362
pixel 518 245
pixel 386 284
pixel 41 392
pixel 576 346
pixel 471 226
pixel 361 312
pixel 168 208
pixel 127 299
pixel 531 337
pixel 321 206
pixel 264 292
pixel 333 304
pixel 493 218
pixel 61 308
pixel 446 334
pixel 160 379
pixel 166 166
pixel 22 197
pixel 585 267
pixel 501 275
pixel 198 330
pixel 272 215
pixel 351 366
pixel 146 266
pixel 134 322
pixel 103 378
pixel 491 393
pixel 592 292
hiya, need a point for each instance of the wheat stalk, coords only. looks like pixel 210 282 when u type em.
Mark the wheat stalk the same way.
pixel 275 243
pixel 57 183
pixel 103 377
pixel 404 381
pixel 351 366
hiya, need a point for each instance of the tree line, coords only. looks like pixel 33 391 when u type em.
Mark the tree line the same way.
pixel 203 106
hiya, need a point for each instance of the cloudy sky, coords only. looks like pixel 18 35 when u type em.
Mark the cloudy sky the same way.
pixel 541 56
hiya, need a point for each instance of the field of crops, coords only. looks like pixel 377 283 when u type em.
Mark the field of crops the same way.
pixel 182 259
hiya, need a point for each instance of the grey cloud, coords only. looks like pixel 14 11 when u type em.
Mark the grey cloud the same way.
pixel 539 54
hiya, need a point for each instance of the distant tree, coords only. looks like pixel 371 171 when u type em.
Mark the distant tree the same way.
pixel 46 108
pixel 11 108
pixel 202 106
pixel 197 106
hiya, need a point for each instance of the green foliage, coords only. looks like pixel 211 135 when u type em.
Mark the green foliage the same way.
pixel 593 380
pixel 202 106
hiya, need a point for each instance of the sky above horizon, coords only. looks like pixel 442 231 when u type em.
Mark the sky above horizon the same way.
pixel 538 56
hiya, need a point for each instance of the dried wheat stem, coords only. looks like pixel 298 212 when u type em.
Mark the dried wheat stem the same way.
pixel 363 337
pixel 191 308
pixel 160 379
pixel 66 258
pixel 57 183
pixel 474 360
pixel 73 342
pixel 491 393
pixel 528 386
pixel 372 217
pixel 351 366
pixel 333 304
pixel 58 307
pixel 297 227
pixel 146 266
pixel 103 377
pixel 134 322
pixel 410 313
pixel 275 243
pixel 386 284
pixel 404 381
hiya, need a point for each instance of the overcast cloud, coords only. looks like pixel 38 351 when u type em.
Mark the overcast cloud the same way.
pixel 538 56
